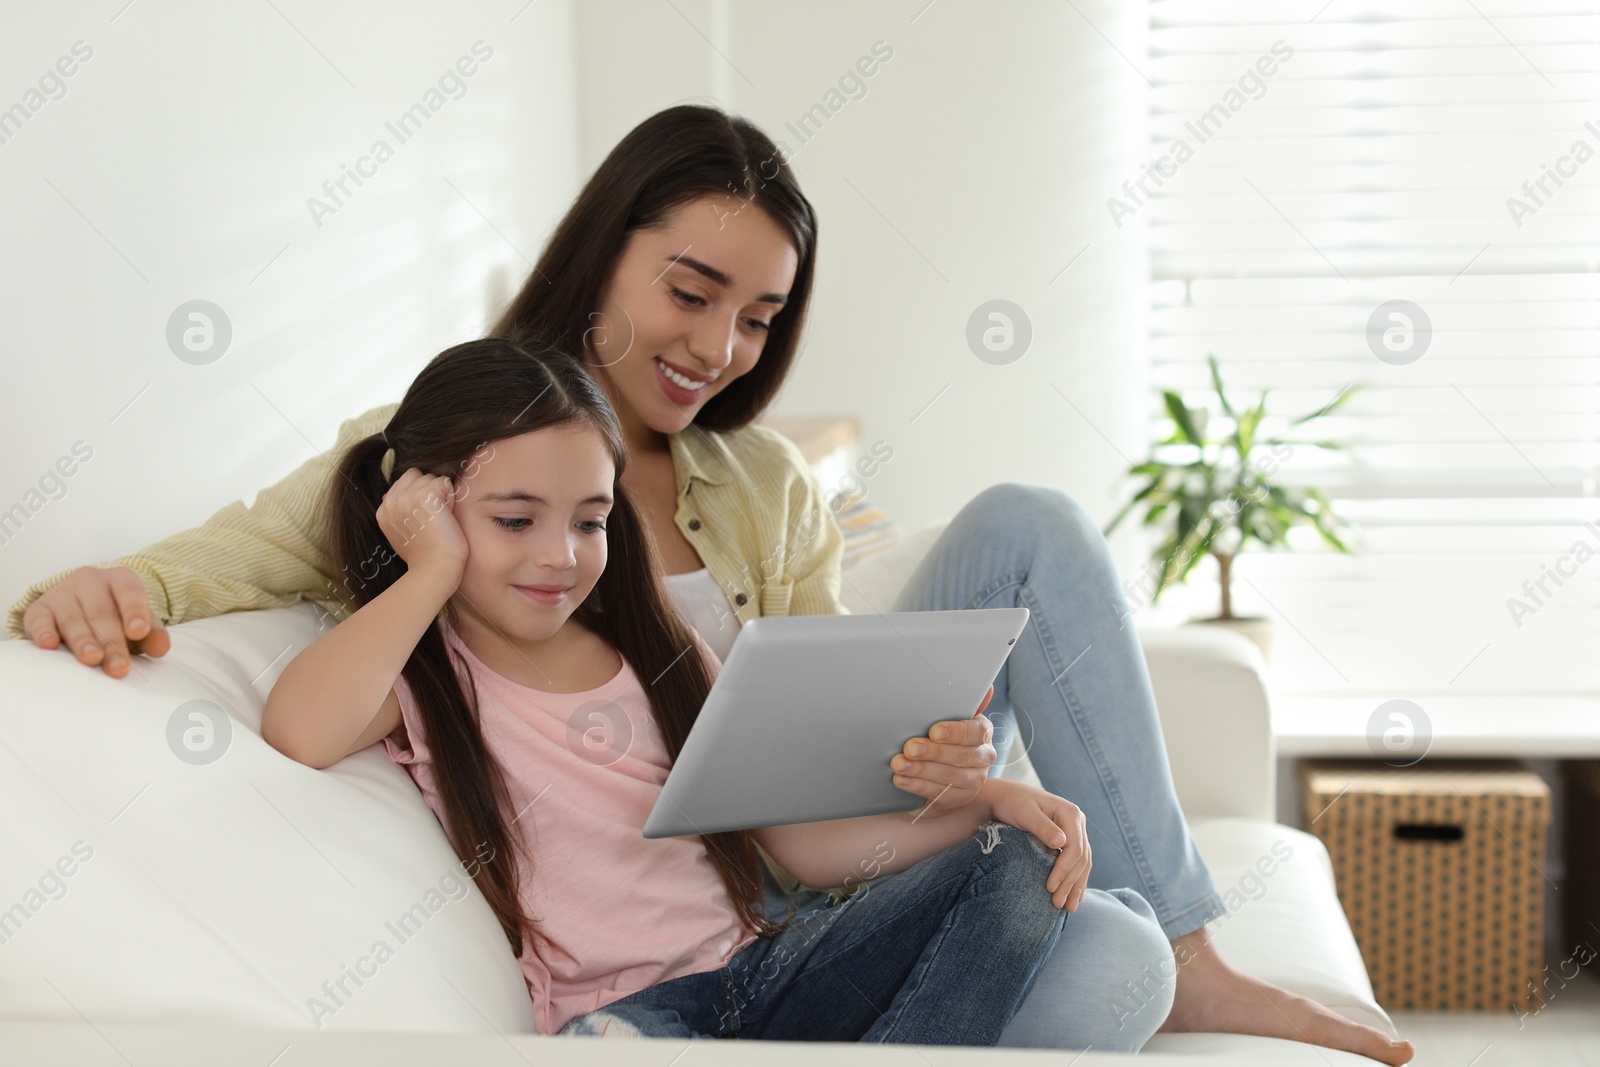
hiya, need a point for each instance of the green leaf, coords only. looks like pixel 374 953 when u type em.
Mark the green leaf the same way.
pixel 1154 486
pixel 1245 434
pixel 1293 509
pixel 1331 538
pixel 1196 548
pixel 1117 519
pixel 1185 432
pixel 1195 532
pixel 1333 405
pixel 1145 493
pixel 1216 383
pixel 1328 523
pixel 1287 498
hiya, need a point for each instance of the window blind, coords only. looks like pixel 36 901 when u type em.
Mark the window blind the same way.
pixel 1444 155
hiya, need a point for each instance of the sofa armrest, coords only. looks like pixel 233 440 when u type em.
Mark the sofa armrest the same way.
pixel 1215 721
pixel 1211 691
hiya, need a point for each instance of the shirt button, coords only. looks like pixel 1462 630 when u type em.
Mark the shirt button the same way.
pixel 694 524
pixel 740 599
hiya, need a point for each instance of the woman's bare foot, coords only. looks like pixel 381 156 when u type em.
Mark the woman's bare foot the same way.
pixel 1212 997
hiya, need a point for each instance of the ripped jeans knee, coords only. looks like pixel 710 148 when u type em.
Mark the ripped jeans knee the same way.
pixel 628 1022
pixel 989 837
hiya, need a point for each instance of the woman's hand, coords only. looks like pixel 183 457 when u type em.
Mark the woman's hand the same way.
pixel 1053 820
pixel 102 615
pixel 418 517
pixel 949 774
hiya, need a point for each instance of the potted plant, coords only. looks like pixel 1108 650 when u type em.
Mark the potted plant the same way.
pixel 1210 482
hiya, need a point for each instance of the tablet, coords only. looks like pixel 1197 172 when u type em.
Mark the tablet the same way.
pixel 802 721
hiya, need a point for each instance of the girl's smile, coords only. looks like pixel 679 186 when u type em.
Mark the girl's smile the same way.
pixel 543 594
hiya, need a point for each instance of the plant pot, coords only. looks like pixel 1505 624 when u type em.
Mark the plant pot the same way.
pixel 1258 628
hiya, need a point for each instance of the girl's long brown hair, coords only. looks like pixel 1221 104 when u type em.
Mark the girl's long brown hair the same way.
pixel 469 396
pixel 669 159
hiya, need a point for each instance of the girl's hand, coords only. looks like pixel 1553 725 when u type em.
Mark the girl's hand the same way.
pixel 1057 823
pixel 418 517
pixel 949 774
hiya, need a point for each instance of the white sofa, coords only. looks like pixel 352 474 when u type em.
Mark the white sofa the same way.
pixel 160 908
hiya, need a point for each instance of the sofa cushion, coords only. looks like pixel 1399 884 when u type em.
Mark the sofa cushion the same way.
pixel 148 881
pixel 872 584
pixel 1284 923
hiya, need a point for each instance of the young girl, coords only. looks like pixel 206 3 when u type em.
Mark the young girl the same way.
pixel 513 649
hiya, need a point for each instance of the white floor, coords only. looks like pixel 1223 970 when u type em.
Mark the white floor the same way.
pixel 1566 1033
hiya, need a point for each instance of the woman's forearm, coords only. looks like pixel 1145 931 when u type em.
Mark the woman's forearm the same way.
pixel 330 692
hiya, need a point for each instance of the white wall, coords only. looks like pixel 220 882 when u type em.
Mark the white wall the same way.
pixel 975 166
pixel 178 165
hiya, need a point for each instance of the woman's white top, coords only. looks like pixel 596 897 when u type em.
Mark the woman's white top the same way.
pixel 702 604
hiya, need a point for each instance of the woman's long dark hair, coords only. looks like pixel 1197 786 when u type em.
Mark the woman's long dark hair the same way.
pixel 669 159
pixel 469 396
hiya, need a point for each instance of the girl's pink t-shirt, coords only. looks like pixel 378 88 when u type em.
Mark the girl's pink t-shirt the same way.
pixel 618 912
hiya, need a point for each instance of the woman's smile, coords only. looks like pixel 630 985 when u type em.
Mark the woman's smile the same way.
pixel 679 386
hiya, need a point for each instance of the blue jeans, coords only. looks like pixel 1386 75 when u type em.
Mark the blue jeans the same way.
pixel 1107 985
pixel 941 953
pixel 1076 690
pixel 1074 687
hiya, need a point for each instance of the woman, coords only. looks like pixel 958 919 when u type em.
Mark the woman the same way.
pixel 682 274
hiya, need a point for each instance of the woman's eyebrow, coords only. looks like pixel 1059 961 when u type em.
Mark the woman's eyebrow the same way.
pixel 519 496
pixel 722 279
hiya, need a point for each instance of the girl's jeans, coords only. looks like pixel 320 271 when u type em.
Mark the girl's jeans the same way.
pixel 1076 690
pixel 941 953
